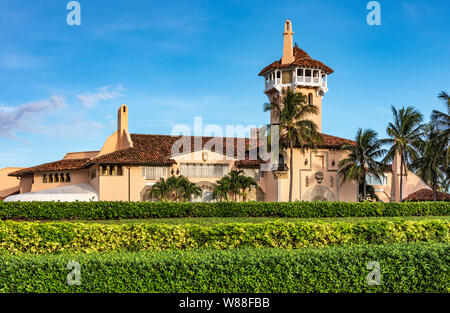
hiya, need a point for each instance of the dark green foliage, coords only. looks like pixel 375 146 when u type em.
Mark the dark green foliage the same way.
pixel 404 268
pixel 121 210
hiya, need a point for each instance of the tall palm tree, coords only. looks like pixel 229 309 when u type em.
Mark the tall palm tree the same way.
pixel 430 166
pixel 362 159
pixel 441 122
pixel 404 139
pixel 295 129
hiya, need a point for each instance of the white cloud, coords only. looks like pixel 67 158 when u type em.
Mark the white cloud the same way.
pixel 89 99
pixel 24 116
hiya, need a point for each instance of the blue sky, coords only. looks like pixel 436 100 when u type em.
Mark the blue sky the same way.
pixel 61 85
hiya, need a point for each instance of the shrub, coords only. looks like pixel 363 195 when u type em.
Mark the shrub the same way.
pixel 120 210
pixel 404 268
pixel 57 237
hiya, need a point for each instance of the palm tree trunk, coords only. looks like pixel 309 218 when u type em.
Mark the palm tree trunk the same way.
pixel 365 187
pixel 291 171
pixel 357 176
pixel 401 176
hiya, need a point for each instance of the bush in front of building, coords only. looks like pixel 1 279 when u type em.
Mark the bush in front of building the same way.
pixel 60 237
pixel 402 268
pixel 300 209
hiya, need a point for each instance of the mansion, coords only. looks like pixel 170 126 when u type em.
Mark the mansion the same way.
pixel 128 164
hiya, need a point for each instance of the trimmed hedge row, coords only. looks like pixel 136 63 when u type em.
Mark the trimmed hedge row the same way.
pixel 407 268
pixel 57 237
pixel 120 210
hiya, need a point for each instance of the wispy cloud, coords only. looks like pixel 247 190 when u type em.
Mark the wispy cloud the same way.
pixel 90 99
pixel 13 119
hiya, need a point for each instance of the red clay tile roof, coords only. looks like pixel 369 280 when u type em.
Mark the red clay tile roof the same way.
pixel 61 165
pixel 333 142
pixel 301 58
pixel 157 149
pixel 426 195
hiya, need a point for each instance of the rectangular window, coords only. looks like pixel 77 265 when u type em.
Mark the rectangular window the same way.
pixel 253 173
pixel 154 172
pixel 286 77
pixel 203 170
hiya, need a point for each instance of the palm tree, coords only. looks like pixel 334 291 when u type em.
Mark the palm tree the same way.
pixel 430 166
pixel 189 189
pixel 222 189
pixel 362 159
pixel 235 182
pixel 161 190
pixel 404 138
pixel 295 128
pixel 441 122
pixel 247 183
pixel 175 188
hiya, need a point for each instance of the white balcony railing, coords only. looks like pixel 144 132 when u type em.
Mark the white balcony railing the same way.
pixel 276 83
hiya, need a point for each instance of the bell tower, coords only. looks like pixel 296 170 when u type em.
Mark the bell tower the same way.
pixel 297 71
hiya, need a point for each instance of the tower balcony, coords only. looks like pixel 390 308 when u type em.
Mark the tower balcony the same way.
pixel 279 79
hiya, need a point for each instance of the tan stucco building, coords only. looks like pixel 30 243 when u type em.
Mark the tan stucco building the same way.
pixel 128 164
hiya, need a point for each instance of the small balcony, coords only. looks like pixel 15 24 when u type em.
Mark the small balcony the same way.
pixel 296 77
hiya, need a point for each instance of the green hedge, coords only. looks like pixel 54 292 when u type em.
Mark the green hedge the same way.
pixel 57 237
pixel 404 268
pixel 119 210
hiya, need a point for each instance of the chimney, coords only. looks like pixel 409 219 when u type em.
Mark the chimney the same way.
pixel 288 49
pixel 122 119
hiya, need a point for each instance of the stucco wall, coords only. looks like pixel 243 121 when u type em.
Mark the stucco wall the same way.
pixel 8 184
pixel 76 177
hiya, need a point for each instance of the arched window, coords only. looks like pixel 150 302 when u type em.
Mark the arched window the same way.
pixel 67 177
pixel 44 178
pixel 280 161
pixel 124 109
pixel 50 178
pixel 56 178
pixel 288 27
pixel 310 99
pixel 62 178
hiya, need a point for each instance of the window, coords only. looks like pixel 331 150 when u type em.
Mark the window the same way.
pixel 154 172
pixel 61 179
pixel 109 170
pixel 204 170
pixel 299 72
pixel 308 73
pixel 44 178
pixel 310 99
pixel 372 179
pixel 124 109
pixel 50 178
pixel 67 177
pixel 278 74
pixel 287 77
pixel 253 173
pixel 56 178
